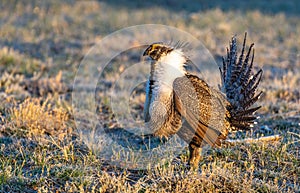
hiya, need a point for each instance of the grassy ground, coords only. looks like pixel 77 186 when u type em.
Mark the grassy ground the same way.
pixel 41 46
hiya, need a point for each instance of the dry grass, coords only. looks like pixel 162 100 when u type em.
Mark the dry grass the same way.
pixel 42 44
pixel 35 117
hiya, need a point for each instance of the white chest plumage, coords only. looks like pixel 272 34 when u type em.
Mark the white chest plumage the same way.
pixel 166 70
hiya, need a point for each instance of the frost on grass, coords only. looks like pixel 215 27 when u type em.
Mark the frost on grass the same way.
pixel 35 117
pixel 41 39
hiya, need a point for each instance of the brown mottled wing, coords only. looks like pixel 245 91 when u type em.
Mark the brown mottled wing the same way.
pixel 203 108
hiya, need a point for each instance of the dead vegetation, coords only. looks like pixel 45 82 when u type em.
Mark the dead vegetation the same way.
pixel 41 47
pixel 35 118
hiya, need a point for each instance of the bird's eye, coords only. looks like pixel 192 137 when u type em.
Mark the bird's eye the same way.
pixel 150 48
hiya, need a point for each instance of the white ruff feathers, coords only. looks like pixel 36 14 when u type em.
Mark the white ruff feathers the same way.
pixel 167 69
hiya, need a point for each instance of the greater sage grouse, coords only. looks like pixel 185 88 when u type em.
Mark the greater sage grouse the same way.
pixel 174 95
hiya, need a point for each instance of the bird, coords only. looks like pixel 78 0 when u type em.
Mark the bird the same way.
pixel 179 102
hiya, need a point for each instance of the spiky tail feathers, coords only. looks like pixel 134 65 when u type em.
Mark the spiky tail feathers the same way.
pixel 239 84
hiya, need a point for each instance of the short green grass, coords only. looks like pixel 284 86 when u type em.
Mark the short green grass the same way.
pixel 41 46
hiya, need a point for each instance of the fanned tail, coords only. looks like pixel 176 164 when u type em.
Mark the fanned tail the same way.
pixel 239 83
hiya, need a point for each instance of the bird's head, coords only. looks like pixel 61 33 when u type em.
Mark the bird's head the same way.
pixel 157 50
pixel 168 62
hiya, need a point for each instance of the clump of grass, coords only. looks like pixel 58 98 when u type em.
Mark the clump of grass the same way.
pixel 14 62
pixel 10 84
pixel 38 86
pixel 36 117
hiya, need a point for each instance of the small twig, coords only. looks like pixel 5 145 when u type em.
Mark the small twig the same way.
pixel 252 140
pixel 295 134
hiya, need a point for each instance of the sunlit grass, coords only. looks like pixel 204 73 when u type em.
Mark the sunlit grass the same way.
pixel 42 44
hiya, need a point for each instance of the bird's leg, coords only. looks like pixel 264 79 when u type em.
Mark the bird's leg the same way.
pixel 195 156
